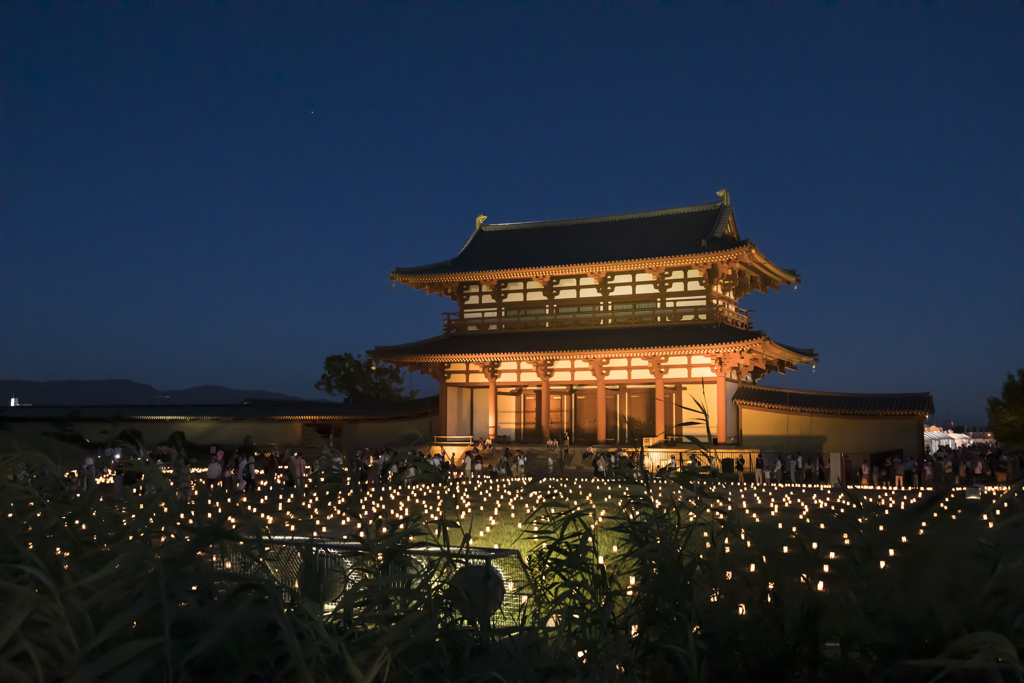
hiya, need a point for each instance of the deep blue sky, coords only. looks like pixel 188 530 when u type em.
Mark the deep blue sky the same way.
pixel 197 194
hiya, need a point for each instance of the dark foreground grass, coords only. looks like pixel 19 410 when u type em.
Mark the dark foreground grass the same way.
pixel 672 580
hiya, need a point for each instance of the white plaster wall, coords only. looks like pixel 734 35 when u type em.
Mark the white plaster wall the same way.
pixel 480 412
pixel 458 411
pixel 507 415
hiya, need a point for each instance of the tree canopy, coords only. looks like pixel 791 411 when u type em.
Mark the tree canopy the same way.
pixel 1006 414
pixel 361 380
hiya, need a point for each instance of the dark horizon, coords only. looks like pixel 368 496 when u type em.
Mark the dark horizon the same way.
pixel 201 195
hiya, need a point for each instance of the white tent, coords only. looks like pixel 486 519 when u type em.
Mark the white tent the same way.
pixel 933 441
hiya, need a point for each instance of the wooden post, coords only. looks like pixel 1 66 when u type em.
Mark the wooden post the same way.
pixel 442 405
pixel 492 408
pixel 722 409
pixel 598 367
pixel 656 363
pixel 490 371
pixel 545 407
pixel 543 369
pixel 659 407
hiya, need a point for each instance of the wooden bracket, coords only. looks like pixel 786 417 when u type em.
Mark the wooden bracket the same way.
pixel 599 366
pixel 489 370
pixel 542 368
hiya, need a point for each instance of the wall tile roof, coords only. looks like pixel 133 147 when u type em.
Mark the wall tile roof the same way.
pixel 288 411
pixel 837 404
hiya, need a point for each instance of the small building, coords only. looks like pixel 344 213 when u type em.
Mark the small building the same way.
pixel 857 425
pixel 285 424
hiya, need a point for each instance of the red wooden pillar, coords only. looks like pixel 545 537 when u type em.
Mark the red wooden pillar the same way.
pixel 490 371
pixel 543 369
pixel 492 408
pixel 597 366
pixel 658 370
pixel 723 405
pixel 545 407
pixel 659 407
pixel 442 403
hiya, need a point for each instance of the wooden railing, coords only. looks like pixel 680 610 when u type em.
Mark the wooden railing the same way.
pixel 455 323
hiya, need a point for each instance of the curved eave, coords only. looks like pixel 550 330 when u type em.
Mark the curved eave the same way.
pixel 383 355
pixel 788 353
pixel 781 276
pixel 744 252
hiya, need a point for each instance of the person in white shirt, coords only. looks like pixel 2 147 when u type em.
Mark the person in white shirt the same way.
pixel 213 472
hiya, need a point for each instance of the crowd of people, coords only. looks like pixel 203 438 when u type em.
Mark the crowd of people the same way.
pixel 964 466
pixel 248 469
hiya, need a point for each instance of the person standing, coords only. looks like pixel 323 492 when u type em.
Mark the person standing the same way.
pixel 270 465
pixel 740 462
pixel 225 471
pixel 240 471
pixel 89 474
pixel 759 470
pixel 250 474
pixel 213 473
pixel 792 470
pixel 300 471
pixel 778 469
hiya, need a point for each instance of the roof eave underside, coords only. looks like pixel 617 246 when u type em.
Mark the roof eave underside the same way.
pixel 789 354
pixel 743 251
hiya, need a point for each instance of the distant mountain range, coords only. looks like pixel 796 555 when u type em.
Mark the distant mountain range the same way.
pixel 124 392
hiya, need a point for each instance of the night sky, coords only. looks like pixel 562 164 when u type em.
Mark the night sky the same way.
pixel 201 194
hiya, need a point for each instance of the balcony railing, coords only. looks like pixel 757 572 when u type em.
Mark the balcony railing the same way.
pixel 457 323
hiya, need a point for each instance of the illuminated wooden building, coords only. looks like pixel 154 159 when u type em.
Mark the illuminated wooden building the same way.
pixel 599 327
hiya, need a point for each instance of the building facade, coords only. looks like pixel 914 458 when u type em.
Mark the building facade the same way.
pixel 610 329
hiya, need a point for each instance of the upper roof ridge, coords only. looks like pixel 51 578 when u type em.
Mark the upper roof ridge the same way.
pixel 599 219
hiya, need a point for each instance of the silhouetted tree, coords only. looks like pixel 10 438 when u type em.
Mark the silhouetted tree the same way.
pixel 1006 414
pixel 361 380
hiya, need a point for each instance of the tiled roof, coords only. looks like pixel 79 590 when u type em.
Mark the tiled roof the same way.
pixel 287 411
pixel 573 340
pixel 836 404
pixel 623 237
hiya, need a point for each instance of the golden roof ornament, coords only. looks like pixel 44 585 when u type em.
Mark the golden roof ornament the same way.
pixel 724 194
pixel 479 220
